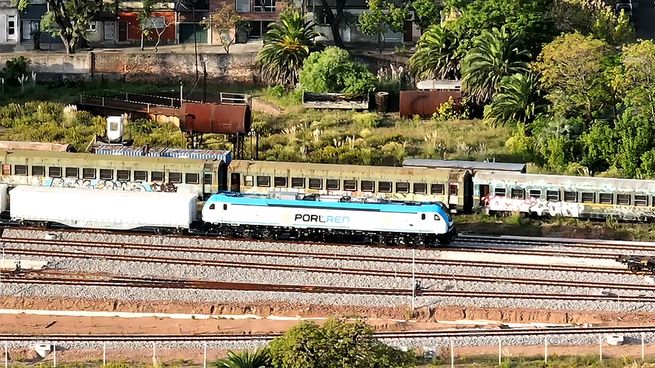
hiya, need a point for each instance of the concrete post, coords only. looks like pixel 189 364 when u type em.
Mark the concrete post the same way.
pixel 546 349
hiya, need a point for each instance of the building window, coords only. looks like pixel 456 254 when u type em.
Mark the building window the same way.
pixel 123 175
pixel 384 187
pixel 243 6
pixel 315 183
pixel 88 173
pixel 368 186
pixel 38 170
pixel 264 5
pixel 280 181
pixel 54 172
pixel 333 184
pixel 140 175
pixel 72 172
pixel 11 25
pixel 192 178
pixel 20 169
pixel 106 174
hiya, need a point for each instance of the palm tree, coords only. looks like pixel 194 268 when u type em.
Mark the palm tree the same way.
pixel 436 54
pixel 286 46
pixel 245 359
pixel 495 54
pixel 519 100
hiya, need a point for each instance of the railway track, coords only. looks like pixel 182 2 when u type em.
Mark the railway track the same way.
pixel 514 241
pixel 434 334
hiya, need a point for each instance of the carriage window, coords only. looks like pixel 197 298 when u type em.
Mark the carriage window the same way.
pixel 623 199
pixel 350 185
pixel 605 198
pixel 123 175
pixel 207 178
pixel 315 183
pixel 437 189
pixel 453 189
pixel 280 181
pixel 297 182
pixel 157 176
pixel 570 197
pixel 140 175
pixel 72 172
pixel 38 170
pixel 384 187
pixel 402 187
pixel 20 170
pixel 106 174
pixel 192 178
pixel 420 188
pixel 535 193
pixel 6 169
pixel 54 172
pixel 175 177
pixel 588 197
pixel 500 192
pixel 333 184
pixel 641 200
pixel 263 181
pixel 368 186
pixel 88 173
pixel 552 195
pixel 518 193
pixel 248 181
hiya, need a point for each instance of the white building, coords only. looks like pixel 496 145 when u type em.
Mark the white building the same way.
pixel 9 23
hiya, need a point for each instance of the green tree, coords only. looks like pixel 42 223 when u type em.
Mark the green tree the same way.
pixel 636 78
pixel 68 19
pixel 599 146
pixel 496 54
pixel 519 100
pixel 226 21
pixel 286 46
pixel 426 13
pixel 381 17
pixel 635 136
pixel 245 359
pixel 332 70
pixel 145 23
pixel 336 344
pixel 571 70
pixel 436 55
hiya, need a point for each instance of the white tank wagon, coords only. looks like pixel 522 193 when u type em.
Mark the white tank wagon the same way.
pixel 102 209
pixel 393 223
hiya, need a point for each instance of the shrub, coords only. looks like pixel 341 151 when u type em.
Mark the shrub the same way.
pixel 366 120
pixel 15 68
pixel 332 70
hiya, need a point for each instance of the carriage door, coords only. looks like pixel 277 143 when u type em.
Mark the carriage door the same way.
pixel 235 182
pixel 453 191
pixel 222 176
pixel 468 192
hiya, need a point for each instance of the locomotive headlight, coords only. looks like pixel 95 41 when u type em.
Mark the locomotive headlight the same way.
pixel 437 218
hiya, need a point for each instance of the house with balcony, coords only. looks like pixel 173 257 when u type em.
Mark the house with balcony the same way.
pixel 128 28
pixel 258 13
pixel 191 15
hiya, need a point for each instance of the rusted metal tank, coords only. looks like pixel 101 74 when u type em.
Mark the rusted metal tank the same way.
pixel 215 118
pixel 424 103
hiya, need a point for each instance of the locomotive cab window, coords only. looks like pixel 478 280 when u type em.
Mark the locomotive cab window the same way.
pixel 20 169
pixel 38 170
pixel 422 216
pixel 518 193
pixel 368 186
pixel 641 200
pixel 552 195
pixel 315 183
pixel 570 196
pixel 384 187
pixel 333 184
pixel 587 197
pixel 535 193
pixel 249 181
pixel 437 189
pixel 350 185
pixel 72 172
pixel 500 192
pixel 106 174
pixel 54 172
pixel 175 177
pixel 88 173
pixel 624 199
pixel 192 178
pixel 280 181
pixel 298 183
pixel 212 206
pixel 140 175
pixel 605 198
pixel 157 176
pixel 420 188
pixel 402 187
pixel 123 175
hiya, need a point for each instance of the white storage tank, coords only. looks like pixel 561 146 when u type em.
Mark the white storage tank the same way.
pixel 116 127
pixel 102 209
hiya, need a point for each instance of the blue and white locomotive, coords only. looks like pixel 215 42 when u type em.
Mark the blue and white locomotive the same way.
pixel 313 217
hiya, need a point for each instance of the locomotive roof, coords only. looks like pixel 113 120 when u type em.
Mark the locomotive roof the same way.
pixel 107 159
pixel 251 200
pixel 469 165
pixel 567 182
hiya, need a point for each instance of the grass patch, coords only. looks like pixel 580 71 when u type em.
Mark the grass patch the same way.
pixel 554 361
